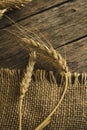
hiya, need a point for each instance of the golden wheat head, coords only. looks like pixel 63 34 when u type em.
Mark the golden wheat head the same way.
pixel 25 84
pixel 47 54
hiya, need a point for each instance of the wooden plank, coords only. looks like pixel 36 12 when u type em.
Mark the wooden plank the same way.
pixel 76 55
pixel 33 8
pixel 12 55
pixel 59 25
pixel 17 57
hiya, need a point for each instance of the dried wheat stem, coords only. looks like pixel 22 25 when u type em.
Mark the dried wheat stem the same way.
pixel 25 84
pixel 48 119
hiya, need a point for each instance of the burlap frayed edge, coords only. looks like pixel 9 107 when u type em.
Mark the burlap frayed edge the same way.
pixel 39 75
pixel 73 80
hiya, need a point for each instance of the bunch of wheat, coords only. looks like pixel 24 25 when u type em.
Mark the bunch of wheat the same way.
pixel 50 59
pixel 9 4
pixel 51 55
pixel 48 55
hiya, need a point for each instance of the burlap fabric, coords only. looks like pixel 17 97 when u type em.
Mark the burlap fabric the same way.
pixel 41 98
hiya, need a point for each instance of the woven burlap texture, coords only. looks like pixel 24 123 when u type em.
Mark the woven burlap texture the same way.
pixel 40 99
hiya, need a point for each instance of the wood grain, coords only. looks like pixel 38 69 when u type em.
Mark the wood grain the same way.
pixel 61 24
pixel 76 55
pixel 33 8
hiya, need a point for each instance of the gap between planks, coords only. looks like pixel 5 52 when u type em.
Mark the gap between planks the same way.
pixel 71 42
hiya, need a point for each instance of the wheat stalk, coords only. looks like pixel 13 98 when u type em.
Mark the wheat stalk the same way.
pixel 25 84
pixel 2 12
pixel 48 119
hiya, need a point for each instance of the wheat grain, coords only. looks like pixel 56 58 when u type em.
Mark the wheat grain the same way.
pixel 2 12
pixel 25 84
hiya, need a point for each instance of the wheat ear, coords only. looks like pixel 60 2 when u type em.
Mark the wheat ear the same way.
pixel 48 119
pixel 49 54
pixel 2 12
pixel 25 84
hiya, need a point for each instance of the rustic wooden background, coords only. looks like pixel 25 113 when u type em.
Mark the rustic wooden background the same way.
pixel 61 22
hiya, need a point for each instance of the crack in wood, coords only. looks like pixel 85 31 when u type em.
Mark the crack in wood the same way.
pixel 75 40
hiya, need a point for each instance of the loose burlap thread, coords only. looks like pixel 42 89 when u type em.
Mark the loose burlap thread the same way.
pixel 42 96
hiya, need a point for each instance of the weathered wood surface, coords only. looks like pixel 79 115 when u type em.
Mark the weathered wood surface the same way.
pixel 63 23
pixel 35 7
